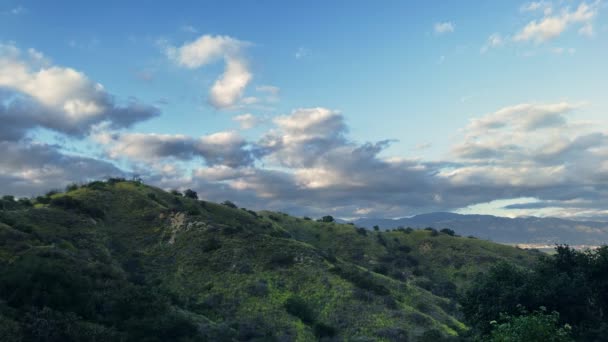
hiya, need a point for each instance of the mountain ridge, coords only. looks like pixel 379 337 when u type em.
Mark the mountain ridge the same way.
pixel 530 229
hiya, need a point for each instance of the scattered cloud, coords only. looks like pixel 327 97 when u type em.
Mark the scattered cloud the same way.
pixel 189 29
pixel 229 87
pixel 444 27
pixel 248 120
pixel 15 11
pixel 494 40
pixel 271 90
pixel 586 30
pixel 544 6
pixel 302 52
pixel 553 25
pixel 39 94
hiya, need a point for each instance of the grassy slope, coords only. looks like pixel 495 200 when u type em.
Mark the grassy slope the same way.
pixel 230 268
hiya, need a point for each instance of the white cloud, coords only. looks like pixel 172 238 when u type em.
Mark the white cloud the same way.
pixel 271 90
pixel 586 30
pixel 247 120
pixel 444 27
pixel 228 89
pixel 58 98
pixel 494 40
pixel 545 6
pixel 551 26
pixel 221 148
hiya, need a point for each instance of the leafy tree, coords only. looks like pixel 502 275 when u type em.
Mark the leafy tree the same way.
pixel 570 282
pixel 327 219
pixel 376 228
pixel 190 194
pixel 229 204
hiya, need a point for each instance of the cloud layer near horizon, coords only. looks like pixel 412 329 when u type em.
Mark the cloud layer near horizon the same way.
pixel 303 162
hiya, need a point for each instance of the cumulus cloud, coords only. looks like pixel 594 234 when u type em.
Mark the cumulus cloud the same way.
pixel 38 94
pixel 28 169
pixel 444 27
pixel 222 148
pixel 306 164
pixel 553 25
pixel 229 87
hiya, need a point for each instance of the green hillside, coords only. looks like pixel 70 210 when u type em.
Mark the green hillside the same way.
pixel 120 260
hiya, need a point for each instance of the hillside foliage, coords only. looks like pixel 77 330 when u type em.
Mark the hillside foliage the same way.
pixel 119 260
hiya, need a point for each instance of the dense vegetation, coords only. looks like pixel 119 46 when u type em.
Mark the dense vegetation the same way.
pixel 122 261
pixel 567 293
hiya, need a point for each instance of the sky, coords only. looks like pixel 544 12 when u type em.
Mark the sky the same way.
pixel 350 109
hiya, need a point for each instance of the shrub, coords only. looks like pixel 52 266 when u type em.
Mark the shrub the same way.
pixel 282 259
pixel 327 219
pixel 70 203
pixel 175 193
pixel 190 194
pixel 362 231
pixel 381 240
pixel 363 280
pixel 298 307
pixel 324 330
pixel 404 248
pixel 43 200
pixel 211 244
pixel 114 180
pixel 538 326
pixel 71 187
pixel 448 231
pixel 229 204
pixel 376 228
pixel 259 288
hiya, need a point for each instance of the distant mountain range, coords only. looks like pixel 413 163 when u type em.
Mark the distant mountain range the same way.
pixel 533 230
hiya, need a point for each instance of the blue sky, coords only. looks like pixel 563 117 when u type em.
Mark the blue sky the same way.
pixel 320 82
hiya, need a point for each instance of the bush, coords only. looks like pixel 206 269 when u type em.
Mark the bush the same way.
pixel 363 280
pixel 324 330
pixel 114 180
pixel 190 194
pixel 327 219
pixel 538 326
pixel 70 203
pixel 404 248
pixel 298 307
pixel 229 204
pixel 448 231
pixel 362 231
pixel 376 228
pixel 71 187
